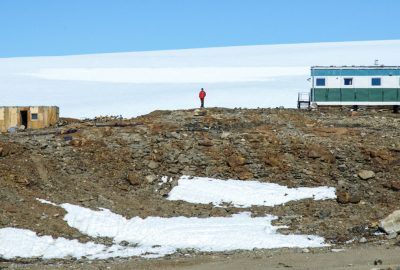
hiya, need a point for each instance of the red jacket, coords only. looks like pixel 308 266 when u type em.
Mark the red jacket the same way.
pixel 202 94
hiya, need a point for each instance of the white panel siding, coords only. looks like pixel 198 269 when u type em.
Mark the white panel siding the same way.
pixel 359 82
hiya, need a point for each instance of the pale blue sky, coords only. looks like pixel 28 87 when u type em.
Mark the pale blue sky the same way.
pixel 62 27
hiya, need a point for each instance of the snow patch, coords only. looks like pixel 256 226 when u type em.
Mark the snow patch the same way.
pixel 243 193
pixel 240 231
pixel 46 202
pixel 150 237
pixel 26 244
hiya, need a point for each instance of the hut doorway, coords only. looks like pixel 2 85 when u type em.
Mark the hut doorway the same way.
pixel 24 118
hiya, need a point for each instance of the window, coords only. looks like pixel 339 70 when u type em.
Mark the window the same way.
pixel 34 116
pixel 348 81
pixel 320 82
pixel 376 81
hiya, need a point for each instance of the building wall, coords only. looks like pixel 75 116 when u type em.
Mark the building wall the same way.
pixel 46 116
pixel 358 82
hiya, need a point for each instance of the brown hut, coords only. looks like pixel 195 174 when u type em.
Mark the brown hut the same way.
pixel 32 117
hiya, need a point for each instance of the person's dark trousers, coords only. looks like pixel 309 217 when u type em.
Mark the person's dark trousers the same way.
pixel 202 103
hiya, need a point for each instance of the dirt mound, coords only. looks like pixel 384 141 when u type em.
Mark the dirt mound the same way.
pixel 117 164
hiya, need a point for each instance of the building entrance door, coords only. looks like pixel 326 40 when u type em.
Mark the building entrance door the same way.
pixel 24 118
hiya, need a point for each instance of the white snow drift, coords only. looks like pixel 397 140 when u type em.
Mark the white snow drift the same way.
pixel 239 231
pixel 137 83
pixel 26 244
pixel 243 193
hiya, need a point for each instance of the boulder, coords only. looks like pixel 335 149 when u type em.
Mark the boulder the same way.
pixel 152 165
pixel 206 143
pixel 245 175
pixel 395 185
pixel 325 155
pixel 312 153
pixel 365 174
pixel 235 161
pixel 151 178
pixel 200 112
pixel 133 179
pixel 225 135
pixel 78 142
pixel 391 224
pixel 12 129
pixel 345 197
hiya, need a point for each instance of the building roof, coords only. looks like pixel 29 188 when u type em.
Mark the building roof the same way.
pixel 355 71
pixel 356 67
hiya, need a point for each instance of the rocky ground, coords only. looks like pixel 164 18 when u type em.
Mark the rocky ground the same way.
pixel 117 164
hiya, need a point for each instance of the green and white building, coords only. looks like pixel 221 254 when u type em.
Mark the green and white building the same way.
pixel 355 86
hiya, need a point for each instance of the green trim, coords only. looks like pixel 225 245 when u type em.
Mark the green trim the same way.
pixel 356 94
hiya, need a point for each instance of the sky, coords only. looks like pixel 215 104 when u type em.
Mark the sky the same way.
pixel 66 27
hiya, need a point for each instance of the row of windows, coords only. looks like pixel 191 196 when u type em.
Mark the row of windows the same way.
pixel 349 81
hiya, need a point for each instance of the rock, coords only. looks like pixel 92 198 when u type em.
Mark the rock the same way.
pixel 12 129
pixel 378 262
pixel 225 135
pixel 362 240
pixel 365 174
pixel 133 179
pixel 183 159
pixel 342 167
pixel 324 213
pixel 235 161
pixel 313 154
pixel 68 138
pixel 23 181
pixel 395 185
pixel 316 152
pixel 343 197
pixel 391 236
pixel 206 143
pixel 151 178
pixel 245 175
pixel 354 113
pixel 104 202
pixel 355 198
pixel 164 193
pixel 391 224
pixel 152 165
pixel 78 142
pixel 200 112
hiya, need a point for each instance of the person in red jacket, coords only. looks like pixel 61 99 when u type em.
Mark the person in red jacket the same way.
pixel 202 95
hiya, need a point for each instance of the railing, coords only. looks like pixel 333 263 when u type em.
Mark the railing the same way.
pixel 303 100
